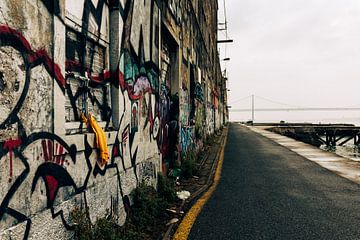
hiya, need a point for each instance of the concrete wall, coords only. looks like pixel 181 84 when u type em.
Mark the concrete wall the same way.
pixel 61 58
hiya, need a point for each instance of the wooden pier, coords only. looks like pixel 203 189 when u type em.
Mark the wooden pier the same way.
pixel 329 135
pixel 336 135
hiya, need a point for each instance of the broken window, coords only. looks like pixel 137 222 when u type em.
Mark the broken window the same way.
pixel 87 82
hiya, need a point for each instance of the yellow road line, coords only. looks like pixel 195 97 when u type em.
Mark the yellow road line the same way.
pixel 185 226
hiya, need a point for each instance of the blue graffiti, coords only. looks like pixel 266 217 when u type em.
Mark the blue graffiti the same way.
pixel 199 93
pixel 187 139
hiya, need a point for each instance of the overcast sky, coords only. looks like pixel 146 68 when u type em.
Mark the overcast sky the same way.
pixel 301 52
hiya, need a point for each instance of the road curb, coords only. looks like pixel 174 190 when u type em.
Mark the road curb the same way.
pixel 185 225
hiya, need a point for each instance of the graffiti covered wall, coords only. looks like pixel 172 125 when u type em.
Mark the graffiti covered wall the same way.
pixel 141 69
pixel 60 59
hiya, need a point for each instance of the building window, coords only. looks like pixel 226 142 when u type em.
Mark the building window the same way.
pixel 87 82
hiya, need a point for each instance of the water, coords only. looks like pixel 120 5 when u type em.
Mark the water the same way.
pixel 349 150
pixel 324 117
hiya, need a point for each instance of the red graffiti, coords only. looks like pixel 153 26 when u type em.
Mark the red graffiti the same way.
pixel 52 186
pixel 19 39
pixel 122 80
pixel 10 145
pixel 130 88
pixel 58 157
pixel 42 57
pixel 136 96
pixel 72 66
pixel 76 66
pixel 34 58
pixel 150 116
pixel 134 117
pixel 115 150
pixel 125 136
pixel 101 77
pixel 46 151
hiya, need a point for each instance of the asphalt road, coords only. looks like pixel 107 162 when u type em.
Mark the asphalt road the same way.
pixel 268 192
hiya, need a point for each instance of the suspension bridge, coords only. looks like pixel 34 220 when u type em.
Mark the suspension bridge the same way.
pixel 286 107
pixel 294 109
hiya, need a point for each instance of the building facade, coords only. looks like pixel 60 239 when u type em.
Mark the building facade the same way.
pixel 148 72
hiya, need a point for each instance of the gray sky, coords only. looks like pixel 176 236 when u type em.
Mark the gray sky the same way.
pixel 302 52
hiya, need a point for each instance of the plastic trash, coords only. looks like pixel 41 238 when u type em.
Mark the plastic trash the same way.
pixel 172 221
pixel 183 195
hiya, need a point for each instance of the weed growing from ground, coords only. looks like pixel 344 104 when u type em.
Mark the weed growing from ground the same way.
pixel 166 188
pixel 188 164
pixel 147 212
pixel 83 227
pixel 147 206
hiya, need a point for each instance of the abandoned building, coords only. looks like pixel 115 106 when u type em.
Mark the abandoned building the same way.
pixel 144 74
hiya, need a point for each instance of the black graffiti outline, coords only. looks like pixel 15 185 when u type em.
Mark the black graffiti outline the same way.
pixel 105 109
pixel 32 137
pixel 12 38
pixel 52 6
pixel 4 208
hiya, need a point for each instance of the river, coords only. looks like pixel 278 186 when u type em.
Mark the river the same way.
pixel 325 117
